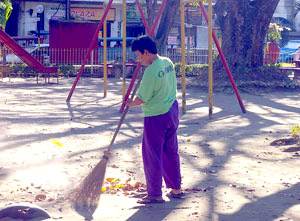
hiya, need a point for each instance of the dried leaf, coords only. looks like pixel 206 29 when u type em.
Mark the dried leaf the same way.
pixel 40 197
pixel 56 142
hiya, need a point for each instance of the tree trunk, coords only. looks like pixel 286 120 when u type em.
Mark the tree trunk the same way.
pixel 166 22
pixel 244 25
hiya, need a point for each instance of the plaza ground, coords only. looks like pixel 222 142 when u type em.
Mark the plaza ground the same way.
pixel 235 166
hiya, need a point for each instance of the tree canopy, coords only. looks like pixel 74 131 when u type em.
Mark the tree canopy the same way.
pixel 5 11
pixel 244 25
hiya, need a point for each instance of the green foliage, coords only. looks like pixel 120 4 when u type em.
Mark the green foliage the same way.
pixel 199 70
pixel 196 3
pixel 296 130
pixel 22 70
pixel 274 32
pixel 5 12
pixel 267 76
pixel 66 70
pixel 246 79
pixel 25 70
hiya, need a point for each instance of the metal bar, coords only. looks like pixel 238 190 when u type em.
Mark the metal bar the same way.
pixel 143 16
pixel 124 50
pixel 183 89
pixel 158 17
pixel 210 63
pixel 93 42
pixel 224 61
pixel 105 57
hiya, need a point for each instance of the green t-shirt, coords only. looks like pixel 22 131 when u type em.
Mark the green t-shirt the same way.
pixel 158 87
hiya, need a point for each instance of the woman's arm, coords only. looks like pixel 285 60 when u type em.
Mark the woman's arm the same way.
pixel 136 102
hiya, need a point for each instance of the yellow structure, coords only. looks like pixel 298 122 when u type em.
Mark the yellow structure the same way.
pixel 210 60
pixel 105 57
pixel 183 89
pixel 124 49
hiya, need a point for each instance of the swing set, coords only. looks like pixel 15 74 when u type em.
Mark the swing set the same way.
pixel 150 32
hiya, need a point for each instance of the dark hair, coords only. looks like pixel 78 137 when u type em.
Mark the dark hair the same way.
pixel 142 43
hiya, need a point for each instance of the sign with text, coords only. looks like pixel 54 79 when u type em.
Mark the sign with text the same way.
pixel 172 40
pixel 93 13
pixel 56 14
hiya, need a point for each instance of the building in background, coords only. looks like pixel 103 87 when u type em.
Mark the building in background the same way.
pixel 32 17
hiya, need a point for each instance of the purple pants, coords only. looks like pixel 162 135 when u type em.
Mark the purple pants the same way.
pixel 160 151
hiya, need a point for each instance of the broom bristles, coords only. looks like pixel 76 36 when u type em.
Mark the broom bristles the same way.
pixel 87 194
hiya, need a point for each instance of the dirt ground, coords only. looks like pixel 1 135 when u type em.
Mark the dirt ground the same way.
pixel 235 166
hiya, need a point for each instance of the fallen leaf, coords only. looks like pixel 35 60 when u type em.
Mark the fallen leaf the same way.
pixel 56 142
pixel 40 197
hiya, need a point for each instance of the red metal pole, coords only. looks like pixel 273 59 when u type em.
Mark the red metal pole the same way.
pixel 224 61
pixel 151 35
pixel 92 45
pixel 158 17
pixel 143 16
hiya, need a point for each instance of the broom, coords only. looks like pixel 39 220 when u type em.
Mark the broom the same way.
pixel 87 194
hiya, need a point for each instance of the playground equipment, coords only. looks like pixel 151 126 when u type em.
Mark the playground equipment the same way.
pixel 223 59
pixel 94 41
pixel 26 57
pixel 150 33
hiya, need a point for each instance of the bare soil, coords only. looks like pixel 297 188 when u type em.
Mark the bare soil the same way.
pixel 235 166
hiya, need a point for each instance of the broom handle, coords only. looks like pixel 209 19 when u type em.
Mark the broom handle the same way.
pixel 124 114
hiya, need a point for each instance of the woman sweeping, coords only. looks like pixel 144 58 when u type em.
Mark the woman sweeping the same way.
pixel 157 94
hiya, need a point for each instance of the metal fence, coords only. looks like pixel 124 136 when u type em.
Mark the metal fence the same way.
pixel 192 56
pixel 75 56
pixel 278 57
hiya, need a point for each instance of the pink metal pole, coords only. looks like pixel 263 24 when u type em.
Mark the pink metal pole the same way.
pixel 163 4
pixel 224 61
pixel 143 16
pixel 151 35
pixel 92 45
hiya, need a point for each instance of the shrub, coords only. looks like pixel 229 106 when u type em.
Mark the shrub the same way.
pixel 66 70
pixel 268 76
pixel 22 70
pixel 26 71
pixel 192 70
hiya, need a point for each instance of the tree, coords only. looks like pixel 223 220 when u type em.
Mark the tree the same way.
pixel 166 22
pixel 274 32
pixel 244 25
pixel 5 11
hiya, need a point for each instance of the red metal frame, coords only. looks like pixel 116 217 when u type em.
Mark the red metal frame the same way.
pixel 143 16
pixel 26 57
pixel 150 32
pixel 224 61
pixel 94 40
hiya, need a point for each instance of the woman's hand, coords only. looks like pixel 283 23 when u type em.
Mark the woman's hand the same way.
pixel 136 102
pixel 129 102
